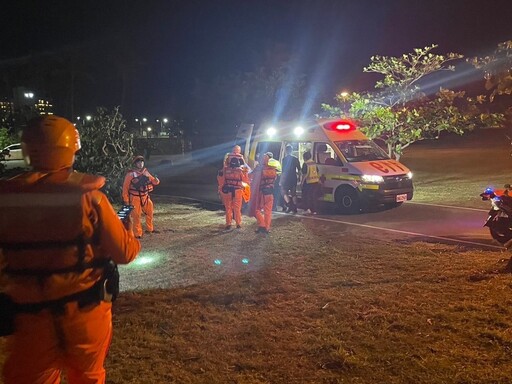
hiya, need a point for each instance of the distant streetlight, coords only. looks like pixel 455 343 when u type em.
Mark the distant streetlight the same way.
pixel 78 117
pixel 165 120
pixel 29 95
pixel 345 105
pixel 137 120
pixel 144 119
pixel 88 117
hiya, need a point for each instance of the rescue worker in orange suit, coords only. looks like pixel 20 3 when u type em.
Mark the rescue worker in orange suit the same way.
pixel 262 198
pixel 138 184
pixel 233 181
pixel 58 238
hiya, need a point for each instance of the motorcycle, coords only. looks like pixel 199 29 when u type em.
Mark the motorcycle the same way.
pixel 499 220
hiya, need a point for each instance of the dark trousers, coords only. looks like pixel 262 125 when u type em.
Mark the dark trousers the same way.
pixel 278 199
pixel 310 194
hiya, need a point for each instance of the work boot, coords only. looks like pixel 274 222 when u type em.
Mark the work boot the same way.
pixel 260 230
pixel 227 227
pixel 238 226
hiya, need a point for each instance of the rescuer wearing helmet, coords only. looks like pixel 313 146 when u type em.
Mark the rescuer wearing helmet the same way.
pixel 278 201
pixel 233 184
pixel 264 177
pixel 138 183
pixel 59 238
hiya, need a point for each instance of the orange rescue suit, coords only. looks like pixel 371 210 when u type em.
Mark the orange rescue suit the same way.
pixel 57 230
pixel 233 185
pixel 136 188
pixel 264 177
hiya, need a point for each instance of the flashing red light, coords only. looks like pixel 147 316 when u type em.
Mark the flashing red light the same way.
pixel 340 126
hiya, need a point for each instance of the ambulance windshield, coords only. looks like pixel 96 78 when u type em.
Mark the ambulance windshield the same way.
pixel 361 150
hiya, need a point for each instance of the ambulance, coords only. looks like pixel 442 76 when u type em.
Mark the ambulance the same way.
pixel 355 171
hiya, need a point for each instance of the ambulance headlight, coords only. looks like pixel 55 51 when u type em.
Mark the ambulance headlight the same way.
pixel 373 179
pixel 409 175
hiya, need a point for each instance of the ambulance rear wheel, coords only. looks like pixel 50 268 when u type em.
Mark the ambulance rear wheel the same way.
pixel 347 200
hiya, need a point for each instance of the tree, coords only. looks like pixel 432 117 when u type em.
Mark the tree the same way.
pixel 399 113
pixel 497 69
pixel 107 149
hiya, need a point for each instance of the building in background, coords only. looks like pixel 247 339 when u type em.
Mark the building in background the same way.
pixel 24 98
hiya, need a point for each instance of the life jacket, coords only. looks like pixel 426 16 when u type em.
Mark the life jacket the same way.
pixel 140 185
pixel 268 178
pixel 312 176
pixel 47 231
pixel 233 178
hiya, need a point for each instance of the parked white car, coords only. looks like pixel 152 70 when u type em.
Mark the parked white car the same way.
pixel 12 152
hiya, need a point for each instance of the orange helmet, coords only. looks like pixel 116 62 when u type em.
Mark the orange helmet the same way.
pixel 49 143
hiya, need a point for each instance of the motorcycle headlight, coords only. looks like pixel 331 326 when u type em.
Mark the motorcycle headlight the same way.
pixel 372 179
pixel 409 175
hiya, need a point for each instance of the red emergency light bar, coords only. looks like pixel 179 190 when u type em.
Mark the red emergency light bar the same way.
pixel 340 126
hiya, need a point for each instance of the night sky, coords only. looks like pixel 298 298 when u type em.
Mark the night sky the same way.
pixel 178 42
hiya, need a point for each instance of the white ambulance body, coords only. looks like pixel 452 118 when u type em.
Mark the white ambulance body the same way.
pixel 354 170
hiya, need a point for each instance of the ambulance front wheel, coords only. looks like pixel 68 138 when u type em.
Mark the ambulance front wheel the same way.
pixel 347 200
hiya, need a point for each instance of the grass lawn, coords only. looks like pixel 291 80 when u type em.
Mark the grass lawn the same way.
pixel 313 304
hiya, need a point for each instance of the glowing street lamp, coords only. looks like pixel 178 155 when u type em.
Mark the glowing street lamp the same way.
pixel 344 105
pixel 88 117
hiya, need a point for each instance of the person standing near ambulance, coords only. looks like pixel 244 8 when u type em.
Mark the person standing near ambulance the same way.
pixel 58 238
pixel 232 181
pixel 311 186
pixel 263 181
pixel 138 184
pixel 288 181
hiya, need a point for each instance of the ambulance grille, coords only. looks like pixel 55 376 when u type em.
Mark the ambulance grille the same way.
pixel 397 181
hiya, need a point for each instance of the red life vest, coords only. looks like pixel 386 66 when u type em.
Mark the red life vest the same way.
pixel 33 239
pixel 140 185
pixel 268 177
pixel 233 177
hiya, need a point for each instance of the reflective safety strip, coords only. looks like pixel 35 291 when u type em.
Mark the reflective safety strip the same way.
pixel 370 186
pixel 27 200
pixel 329 197
pixel 343 177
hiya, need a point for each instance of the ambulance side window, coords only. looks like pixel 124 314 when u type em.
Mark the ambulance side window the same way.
pixel 325 155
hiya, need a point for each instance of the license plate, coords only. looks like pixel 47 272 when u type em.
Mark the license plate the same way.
pixel 401 198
